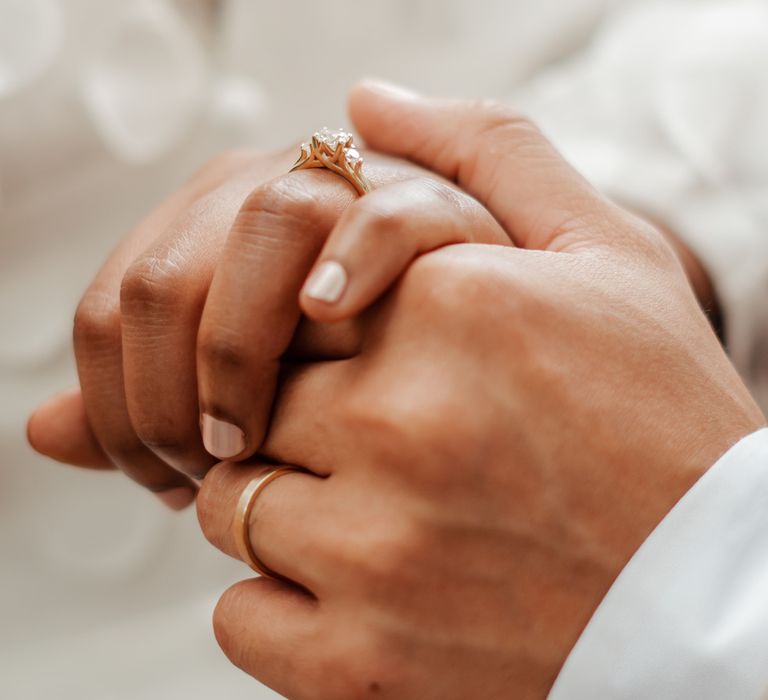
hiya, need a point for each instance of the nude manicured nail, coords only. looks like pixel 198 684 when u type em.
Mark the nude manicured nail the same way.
pixel 178 498
pixel 327 282
pixel 223 440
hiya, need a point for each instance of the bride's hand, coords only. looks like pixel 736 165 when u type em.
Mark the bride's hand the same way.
pixel 91 425
pixel 187 323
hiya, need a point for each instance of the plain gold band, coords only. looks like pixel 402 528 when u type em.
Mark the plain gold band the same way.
pixel 241 525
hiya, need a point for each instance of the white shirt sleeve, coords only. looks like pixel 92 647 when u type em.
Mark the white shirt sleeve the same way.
pixel 687 619
pixel 667 112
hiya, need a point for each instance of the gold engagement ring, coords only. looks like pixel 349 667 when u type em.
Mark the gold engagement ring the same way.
pixel 334 151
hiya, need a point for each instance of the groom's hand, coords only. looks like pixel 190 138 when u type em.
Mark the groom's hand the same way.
pixel 516 424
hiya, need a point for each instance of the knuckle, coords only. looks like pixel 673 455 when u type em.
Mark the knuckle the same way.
pixel 656 248
pixel 425 281
pixel 447 286
pixel 435 422
pixel 441 422
pixel 398 550
pixel 640 239
pixel 498 119
pixel 426 410
pixel 282 209
pixel 152 285
pixel 447 195
pixel 374 221
pixel 376 555
pixel 239 622
pixel 96 322
pixel 497 124
pixel 381 417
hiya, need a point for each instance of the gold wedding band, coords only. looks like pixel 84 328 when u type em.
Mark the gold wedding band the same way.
pixel 241 525
pixel 334 151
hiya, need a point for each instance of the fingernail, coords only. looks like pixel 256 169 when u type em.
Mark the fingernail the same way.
pixel 327 282
pixel 223 440
pixel 388 89
pixel 178 498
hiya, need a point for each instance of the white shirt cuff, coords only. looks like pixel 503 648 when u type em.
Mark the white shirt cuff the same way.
pixel 688 616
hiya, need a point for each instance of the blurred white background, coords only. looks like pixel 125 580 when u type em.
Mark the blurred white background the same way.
pixel 105 107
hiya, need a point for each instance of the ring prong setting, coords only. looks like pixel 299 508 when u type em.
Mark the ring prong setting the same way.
pixel 335 151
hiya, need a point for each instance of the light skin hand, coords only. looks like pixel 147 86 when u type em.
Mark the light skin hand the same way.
pixel 513 426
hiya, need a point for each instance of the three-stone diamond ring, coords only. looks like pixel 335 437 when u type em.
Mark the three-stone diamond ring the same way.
pixel 335 151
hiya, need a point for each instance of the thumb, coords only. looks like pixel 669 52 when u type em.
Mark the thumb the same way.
pixel 59 429
pixel 493 153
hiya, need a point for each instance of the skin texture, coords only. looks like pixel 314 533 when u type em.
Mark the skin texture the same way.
pixel 490 442
pixel 515 424
pixel 283 226
pixel 137 332
pixel 160 333
pixel 101 425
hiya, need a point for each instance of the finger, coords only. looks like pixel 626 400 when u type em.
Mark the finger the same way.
pixel 63 444
pixel 162 297
pixel 286 521
pixel 97 340
pixel 379 235
pixel 98 351
pixel 493 153
pixel 314 341
pixel 274 632
pixel 310 423
pixel 252 308
pixel 59 429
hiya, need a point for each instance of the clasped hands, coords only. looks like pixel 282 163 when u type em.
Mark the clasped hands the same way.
pixel 509 387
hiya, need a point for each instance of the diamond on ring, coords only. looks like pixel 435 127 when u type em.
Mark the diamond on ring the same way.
pixel 335 151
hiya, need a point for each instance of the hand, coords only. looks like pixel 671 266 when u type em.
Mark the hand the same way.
pixel 700 281
pixel 92 426
pixel 514 425
pixel 208 288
